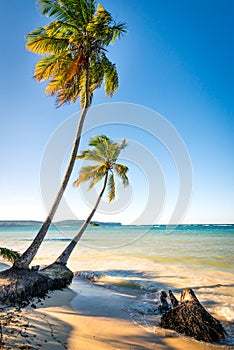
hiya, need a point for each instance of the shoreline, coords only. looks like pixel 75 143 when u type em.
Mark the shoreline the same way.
pixel 85 316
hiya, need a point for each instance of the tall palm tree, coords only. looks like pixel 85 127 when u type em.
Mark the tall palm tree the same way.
pixel 105 153
pixel 74 46
pixel 9 254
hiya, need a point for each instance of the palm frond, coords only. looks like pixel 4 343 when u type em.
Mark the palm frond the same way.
pixel 50 66
pixel 118 30
pixel 95 140
pixel 90 173
pixel 105 29
pixel 69 91
pixel 99 22
pixel 9 254
pixel 39 42
pixel 87 10
pixel 101 172
pixel 118 147
pixel 103 148
pixel 60 10
pixel 121 171
pixel 91 155
pixel 96 71
pixel 55 85
pixel 110 76
pixel 67 94
pixel 86 173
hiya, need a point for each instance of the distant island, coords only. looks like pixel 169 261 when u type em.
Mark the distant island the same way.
pixel 92 223
pixel 15 223
pixel 80 222
pixel 12 223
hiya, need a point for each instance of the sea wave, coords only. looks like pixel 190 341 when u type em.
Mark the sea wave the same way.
pixel 144 310
pixel 111 280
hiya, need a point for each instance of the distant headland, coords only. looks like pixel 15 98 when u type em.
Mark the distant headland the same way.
pixel 15 223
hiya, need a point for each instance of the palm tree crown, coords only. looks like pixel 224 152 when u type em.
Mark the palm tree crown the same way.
pixel 105 152
pixel 74 46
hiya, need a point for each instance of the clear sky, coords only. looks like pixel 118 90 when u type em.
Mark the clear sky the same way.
pixel 177 59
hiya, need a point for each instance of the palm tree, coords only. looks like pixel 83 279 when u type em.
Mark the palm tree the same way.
pixel 105 153
pixel 9 254
pixel 75 64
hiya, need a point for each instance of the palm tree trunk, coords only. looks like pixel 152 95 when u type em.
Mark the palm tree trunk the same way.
pixel 26 258
pixel 63 258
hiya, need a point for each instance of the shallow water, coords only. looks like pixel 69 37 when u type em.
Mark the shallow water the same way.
pixel 149 259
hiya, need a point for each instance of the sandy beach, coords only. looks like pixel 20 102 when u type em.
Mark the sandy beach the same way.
pixel 92 318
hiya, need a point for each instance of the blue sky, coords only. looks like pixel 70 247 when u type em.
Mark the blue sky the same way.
pixel 177 60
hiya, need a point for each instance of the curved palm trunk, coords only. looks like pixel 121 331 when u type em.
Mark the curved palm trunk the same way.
pixel 63 258
pixel 26 258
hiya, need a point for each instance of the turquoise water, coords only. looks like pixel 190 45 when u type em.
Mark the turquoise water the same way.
pixel 148 259
pixel 209 246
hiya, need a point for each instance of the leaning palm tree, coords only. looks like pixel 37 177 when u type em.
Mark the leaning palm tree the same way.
pixel 105 153
pixel 9 254
pixel 75 63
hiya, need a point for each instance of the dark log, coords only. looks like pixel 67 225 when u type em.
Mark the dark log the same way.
pixel 18 286
pixel 174 301
pixel 191 319
pixel 164 304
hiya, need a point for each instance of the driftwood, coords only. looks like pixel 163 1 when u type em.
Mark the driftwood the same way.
pixel 191 319
pixel 174 301
pixel 164 304
pixel 18 286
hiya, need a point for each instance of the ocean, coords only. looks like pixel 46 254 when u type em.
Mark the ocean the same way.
pixel 146 260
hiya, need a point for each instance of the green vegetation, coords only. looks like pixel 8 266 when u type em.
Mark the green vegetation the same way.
pixel 9 254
